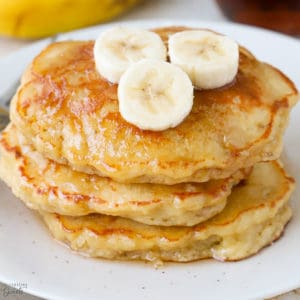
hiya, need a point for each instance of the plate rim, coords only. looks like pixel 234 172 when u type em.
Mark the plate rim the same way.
pixel 159 21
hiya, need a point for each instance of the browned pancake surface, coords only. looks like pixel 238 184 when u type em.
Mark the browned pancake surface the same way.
pixel 71 114
pixel 46 185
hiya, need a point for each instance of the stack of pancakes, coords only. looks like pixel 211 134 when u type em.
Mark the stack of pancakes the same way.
pixel 211 187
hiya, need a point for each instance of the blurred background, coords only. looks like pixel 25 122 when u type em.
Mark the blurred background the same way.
pixel 22 21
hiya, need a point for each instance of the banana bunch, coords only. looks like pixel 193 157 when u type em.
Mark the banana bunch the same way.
pixel 39 18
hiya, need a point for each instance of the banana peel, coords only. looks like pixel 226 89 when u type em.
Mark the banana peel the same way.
pixel 40 18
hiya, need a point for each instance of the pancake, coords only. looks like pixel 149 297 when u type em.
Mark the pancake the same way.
pixel 256 214
pixel 46 185
pixel 71 115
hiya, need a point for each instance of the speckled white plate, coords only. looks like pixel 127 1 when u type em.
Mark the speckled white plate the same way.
pixel 29 256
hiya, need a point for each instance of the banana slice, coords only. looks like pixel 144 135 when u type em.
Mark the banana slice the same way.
pixel 117 48
pixel 210 59
pixel 155 95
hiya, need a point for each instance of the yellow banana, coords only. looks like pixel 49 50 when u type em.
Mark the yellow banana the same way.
pixel 39 18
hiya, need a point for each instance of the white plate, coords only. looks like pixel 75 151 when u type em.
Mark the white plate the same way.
pixel 29 256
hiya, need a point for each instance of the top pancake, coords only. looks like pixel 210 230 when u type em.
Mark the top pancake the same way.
pixel 71 115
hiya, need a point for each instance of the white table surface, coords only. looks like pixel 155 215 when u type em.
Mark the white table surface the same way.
pixel 205 10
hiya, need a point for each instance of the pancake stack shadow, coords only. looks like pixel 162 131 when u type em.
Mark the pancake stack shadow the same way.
pixel 210 188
